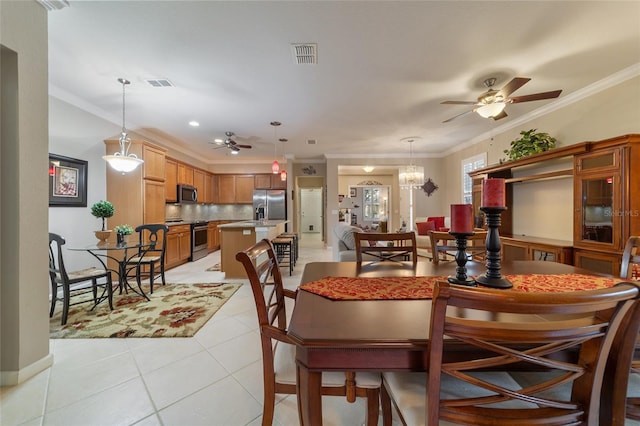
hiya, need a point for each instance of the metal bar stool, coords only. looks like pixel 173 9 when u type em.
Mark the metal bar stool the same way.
pixel 295 244
pixel 284 252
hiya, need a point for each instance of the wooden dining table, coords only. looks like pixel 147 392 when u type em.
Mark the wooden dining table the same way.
pixel 373 335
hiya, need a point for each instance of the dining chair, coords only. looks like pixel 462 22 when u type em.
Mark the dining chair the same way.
pixel 395 246
pixel 278 350
pixel 75 283
pixel 627 346
pixel 443 245
pixel 150 256
pixel 567 336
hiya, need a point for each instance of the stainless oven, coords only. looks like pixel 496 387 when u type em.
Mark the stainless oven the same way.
pixel 199 243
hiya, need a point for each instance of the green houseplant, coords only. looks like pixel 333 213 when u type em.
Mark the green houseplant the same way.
pixel 102 210
pixel 529 143
pixel 124 229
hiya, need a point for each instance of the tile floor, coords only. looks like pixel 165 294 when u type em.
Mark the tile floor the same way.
pixel 213 378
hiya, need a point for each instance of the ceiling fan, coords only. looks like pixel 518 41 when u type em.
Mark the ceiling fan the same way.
pixel 492 103
pixel 230 144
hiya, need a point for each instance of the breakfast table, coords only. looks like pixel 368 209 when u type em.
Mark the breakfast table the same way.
pixel 121 253
pixel 376 317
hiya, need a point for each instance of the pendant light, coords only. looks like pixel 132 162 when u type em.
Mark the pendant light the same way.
pixel 275 166
pixel 123 161
pixel 412 176
pixel 283 172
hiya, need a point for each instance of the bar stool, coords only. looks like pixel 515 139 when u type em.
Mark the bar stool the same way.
pixel 284 252
pixel 295 244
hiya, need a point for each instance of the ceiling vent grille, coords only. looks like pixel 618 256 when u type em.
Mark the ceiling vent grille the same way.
pixel 305 53
pixel 311 141
pixel 159 82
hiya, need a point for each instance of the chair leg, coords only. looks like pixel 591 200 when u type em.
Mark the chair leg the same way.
pixel 373 406
pixel 151 274
pixel 110 291
pixel 162 272
pixel 268 408
pixel 385 402
pixel 65 303
pixel 54 298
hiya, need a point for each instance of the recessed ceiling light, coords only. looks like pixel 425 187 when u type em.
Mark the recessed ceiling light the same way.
pixel 193 123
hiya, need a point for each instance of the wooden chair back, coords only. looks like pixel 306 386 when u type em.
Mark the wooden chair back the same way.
pixel 261 265
pixel 631 259
pixel 508 331
pixel 443 243
pixel 395 247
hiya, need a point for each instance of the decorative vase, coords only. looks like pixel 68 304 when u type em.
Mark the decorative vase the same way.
pixel 103 235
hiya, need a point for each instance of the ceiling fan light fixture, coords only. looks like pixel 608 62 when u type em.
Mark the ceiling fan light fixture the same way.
pixel 123 161
pixel 491 110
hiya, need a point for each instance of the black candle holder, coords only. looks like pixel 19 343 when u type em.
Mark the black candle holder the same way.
pixel 493 278
pixel 461 277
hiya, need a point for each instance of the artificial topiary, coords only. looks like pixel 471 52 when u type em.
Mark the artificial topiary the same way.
pixel 102 210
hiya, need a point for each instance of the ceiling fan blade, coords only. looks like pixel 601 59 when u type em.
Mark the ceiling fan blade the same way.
pixel 244 146
pixel 512 86
pixel 535 96
pixel 503 114
pixel 457 116
pixel 459 103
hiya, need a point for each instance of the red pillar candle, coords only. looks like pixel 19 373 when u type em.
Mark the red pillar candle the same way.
pixel 493 193
pixel 461 218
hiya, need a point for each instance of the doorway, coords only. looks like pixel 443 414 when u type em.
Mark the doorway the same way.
pixel 311 214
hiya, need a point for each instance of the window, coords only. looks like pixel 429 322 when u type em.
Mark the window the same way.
pixel 371 200
pixel 468 165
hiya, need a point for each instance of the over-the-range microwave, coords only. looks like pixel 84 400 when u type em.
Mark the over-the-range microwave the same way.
pixel 187 194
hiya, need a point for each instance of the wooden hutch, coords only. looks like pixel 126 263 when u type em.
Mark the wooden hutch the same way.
pixel 606 202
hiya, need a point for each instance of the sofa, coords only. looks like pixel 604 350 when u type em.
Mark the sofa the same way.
pixel 345 250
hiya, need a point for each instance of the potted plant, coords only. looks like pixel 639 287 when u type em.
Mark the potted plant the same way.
pixel 122 231
pixel 529 143
pixel 102 210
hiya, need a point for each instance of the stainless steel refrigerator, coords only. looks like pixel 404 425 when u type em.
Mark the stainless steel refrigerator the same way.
pixel 270 204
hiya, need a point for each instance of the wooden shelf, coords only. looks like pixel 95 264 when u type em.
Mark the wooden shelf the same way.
pixel 540 176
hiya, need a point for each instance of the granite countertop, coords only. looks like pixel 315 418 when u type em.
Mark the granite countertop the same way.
pixel 253 224
pixel 189 222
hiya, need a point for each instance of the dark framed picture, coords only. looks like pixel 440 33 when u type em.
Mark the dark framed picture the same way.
pixel 352 192
pixel 67 181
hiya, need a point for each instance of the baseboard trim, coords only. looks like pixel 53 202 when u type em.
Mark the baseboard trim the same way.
pixel 12 378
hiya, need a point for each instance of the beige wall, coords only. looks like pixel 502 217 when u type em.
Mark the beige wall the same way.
pixel 24 324
pixel 545 208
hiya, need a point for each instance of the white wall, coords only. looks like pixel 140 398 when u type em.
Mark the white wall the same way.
pixel 78 134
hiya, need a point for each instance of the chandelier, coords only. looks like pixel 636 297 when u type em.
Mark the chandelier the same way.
pixel 123 161
pixel 411 176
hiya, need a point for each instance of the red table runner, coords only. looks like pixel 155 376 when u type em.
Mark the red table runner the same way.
pixel 358 288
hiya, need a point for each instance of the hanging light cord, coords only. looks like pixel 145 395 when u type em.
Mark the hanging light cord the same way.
pixel 125 142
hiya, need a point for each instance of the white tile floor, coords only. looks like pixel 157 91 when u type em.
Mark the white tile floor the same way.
pixel 213 378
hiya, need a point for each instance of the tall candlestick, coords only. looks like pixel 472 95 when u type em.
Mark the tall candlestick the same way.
pixel 461 218
pixel 493 193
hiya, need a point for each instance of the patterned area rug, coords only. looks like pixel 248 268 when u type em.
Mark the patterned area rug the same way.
pixel 215 267
pixel 175 310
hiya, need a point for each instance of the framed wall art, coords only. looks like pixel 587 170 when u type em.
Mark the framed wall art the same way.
pixel 67 181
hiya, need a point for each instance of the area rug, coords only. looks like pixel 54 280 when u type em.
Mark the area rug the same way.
pixel 175 310
pixel 215 267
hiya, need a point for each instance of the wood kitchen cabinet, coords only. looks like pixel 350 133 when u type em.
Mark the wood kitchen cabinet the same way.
pixel 198 183
pixel 213 236
pixel 235 189
pixel 185 174
pixel 171 181
pixel 269 181
pixel 178 248
pixel 209 188
pixel 153 210
pixel 532 248
pixel 154 163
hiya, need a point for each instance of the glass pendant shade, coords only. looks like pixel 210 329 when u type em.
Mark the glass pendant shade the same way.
pixel 123 161
pixel 491 110
pixel 283 176
pixel 275 167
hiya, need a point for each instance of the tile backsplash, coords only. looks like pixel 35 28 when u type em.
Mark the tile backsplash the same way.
pixel 209 211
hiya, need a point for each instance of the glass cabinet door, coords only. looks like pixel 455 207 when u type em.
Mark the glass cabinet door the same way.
pixel 598 209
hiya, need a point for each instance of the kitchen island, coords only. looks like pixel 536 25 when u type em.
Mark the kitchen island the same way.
pixel 237 236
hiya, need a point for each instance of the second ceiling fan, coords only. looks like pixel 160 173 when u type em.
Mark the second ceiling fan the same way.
pixel 492 103
pixel 231 144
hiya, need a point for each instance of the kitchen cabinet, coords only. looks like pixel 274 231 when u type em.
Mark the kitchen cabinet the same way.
pixel 178 248
pixel 171 181
pixel 209 188
pixel 154 163
pixel 153 210
pixel 213 236
pixel 198 183
pixel 185 174
pixel 235 189
pixel 269 181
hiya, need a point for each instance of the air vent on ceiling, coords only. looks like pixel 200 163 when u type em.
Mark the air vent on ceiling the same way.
pixel 54 4
pixel 305 53
pixel 311 141
pixel 159 82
